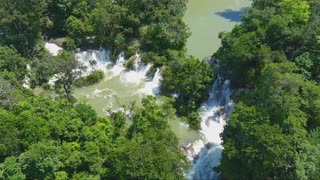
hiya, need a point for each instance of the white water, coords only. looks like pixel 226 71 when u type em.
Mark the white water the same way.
pixel 206 152
pixel 103 62
pixel 102 57
pixel 139 72
pixel 121 86
pixel 53 48
pixel 152 87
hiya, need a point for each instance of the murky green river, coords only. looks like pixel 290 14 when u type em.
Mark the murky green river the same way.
pixel 206 18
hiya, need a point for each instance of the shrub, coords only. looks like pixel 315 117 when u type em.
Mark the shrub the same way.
pixel 94 77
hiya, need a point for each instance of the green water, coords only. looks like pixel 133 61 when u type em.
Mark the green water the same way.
pixel 110 94
pixel 206 18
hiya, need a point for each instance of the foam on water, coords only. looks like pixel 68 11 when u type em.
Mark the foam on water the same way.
pixel 152 87
pixel 119 66
pixel 138 74
pixel 206 152
pixel 100 57
pixel 52 48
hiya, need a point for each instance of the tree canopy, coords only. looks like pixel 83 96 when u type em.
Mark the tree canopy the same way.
pixel 274 54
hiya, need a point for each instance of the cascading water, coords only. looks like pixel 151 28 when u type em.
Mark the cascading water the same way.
pixel 121 86
pixel 206 152
pixel 138 73
pixel 95 59
pixel 152 87
pixel 52 48
pixel 119 66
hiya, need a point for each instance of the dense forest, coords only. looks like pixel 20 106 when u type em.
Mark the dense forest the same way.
pixel 273 61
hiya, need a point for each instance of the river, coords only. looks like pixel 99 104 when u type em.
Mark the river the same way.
pixel 206 19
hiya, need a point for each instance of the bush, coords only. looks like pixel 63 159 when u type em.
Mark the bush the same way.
pixel 94 77
pixel 69 43
pixel 130 63
pixel 46 86
pixel 130 51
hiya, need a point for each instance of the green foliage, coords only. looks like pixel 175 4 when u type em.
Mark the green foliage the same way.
pixel 273 131
pixel 297 11
pixel 40 161
pixel 304 65
pixel 77 29
pixel 130 63
pixel 21 23
pixel 190 79
pixel 7 97
pixel 67 69
pixel 87 114
pixel 45 139
pixel 11 169
pixel 151 150
pixel 95 77
pixel 261 148
pixel 271 32
pixel 11 61
pixel 42 69
pixel 9 135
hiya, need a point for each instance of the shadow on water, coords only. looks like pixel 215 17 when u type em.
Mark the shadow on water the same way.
pixel 232 15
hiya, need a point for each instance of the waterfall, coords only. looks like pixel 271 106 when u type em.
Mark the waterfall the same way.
pixel 100 60
pixel 138 74
pixel 95 59
pixel 206 152
pixel 152 87
pixel 121 86
pixel 119 66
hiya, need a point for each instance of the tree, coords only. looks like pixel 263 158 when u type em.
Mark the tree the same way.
pixel 304 65
pixel 77 29
pixel 21 24
pixel 190 79
pixel 151 149
pixel 9 135
pixel 87 114
pixel 42 69
pixel 11 61
pixel 67 69
pixel 107 22
pixel 41 161
pixel 152 116
pixel 7 98
pixel 11 169
pixel 254 148
pixel 297 11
